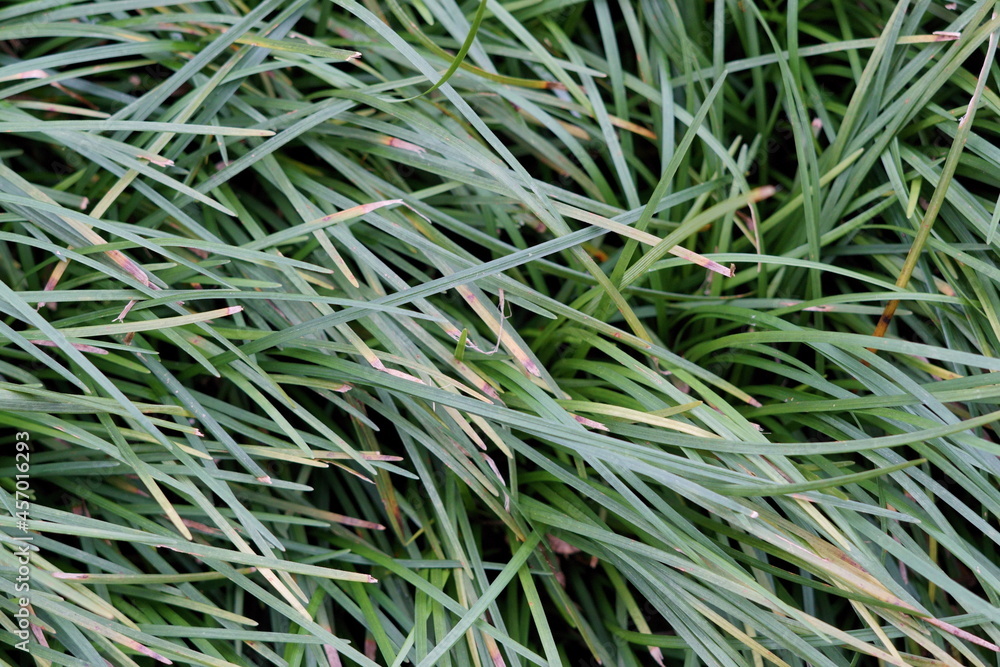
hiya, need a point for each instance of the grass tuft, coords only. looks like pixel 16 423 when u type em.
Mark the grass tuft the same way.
pixel 499 333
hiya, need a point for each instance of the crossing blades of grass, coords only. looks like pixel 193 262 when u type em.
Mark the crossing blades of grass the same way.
pixel 499 333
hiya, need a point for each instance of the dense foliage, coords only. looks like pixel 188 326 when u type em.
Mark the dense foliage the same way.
pixel 628 332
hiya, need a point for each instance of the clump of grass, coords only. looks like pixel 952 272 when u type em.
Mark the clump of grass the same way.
pixel 516 333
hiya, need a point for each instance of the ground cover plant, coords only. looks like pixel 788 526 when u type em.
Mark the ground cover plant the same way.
pixel 522 332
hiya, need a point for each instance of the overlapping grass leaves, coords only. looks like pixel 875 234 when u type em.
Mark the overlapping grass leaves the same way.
pixel 325 359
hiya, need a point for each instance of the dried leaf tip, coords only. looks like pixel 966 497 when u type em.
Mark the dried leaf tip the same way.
pixel 158 160
pixel 31 74
pixel 531 367
pixel 591 423
pixel 82 347
pixel 762 193
pixel 395 142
